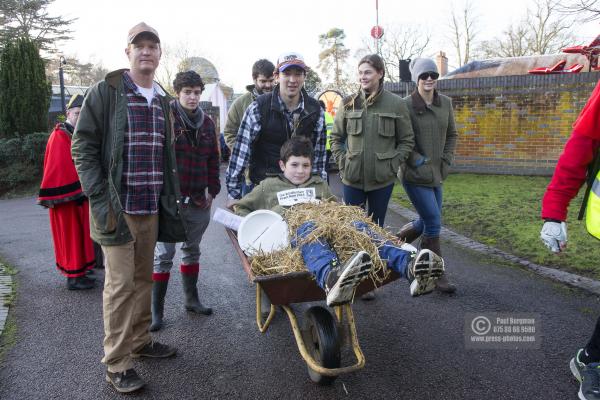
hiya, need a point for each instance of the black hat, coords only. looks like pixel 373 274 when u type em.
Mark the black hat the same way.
pixel 76 101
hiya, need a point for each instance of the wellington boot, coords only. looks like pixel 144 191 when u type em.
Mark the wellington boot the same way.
pixel 408 233
pixel 192 302
pixel 159 290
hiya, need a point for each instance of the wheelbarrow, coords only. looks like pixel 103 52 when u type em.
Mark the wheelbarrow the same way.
pixel 323 335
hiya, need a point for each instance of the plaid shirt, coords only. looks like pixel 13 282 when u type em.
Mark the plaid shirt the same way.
pixel 142 151
pixel 250 129
pixel 197 154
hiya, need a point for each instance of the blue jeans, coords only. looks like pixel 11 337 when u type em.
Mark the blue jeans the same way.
pixel 246 187
pixel 428 203
pixel 377 200
pixel 318 256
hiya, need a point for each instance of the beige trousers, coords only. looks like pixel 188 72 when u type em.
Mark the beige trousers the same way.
pixel 128 292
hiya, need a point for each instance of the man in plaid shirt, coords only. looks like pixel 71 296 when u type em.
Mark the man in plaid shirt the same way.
pixel 123 153
pixel 270 121
pixel 197 154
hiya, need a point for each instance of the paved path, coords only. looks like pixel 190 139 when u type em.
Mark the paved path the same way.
pixel 414 347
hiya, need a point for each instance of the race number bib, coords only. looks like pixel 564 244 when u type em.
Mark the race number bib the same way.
pixel 291 197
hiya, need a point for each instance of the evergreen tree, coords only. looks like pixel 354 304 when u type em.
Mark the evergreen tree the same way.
pixel 334 55
pixel 30 19
pixel 24 90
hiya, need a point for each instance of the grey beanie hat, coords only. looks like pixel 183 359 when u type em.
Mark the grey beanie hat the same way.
pixel 419 66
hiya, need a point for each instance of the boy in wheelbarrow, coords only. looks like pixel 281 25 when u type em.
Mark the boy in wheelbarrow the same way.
pixel 339 280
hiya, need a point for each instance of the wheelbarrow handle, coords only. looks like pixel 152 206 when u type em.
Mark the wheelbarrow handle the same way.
pixel 262 327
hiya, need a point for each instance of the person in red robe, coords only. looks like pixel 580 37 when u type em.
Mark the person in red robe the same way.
pixel 61 193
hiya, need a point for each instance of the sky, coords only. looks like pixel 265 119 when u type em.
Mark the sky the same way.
pixel 232 34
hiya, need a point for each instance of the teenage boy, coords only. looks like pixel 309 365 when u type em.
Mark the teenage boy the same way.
pixel 271 120
pixel 338 281
pixel 197 155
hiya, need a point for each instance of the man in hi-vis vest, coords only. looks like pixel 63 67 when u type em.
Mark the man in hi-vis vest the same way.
pixel 579 160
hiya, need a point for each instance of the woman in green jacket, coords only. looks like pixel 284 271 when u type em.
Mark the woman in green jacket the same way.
pixel 427 166
pixel 371 136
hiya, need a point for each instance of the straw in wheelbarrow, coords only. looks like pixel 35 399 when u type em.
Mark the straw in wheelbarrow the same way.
pixel 334 223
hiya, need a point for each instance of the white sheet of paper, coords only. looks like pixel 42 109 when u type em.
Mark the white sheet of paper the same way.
pixel 227 218
pixel 291 197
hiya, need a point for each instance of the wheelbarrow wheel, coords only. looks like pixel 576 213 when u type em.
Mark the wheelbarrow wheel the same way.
pixel 322 341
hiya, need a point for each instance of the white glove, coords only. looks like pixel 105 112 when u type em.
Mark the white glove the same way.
pixel 554 236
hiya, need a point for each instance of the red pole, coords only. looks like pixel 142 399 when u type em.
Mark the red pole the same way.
pixel 377 23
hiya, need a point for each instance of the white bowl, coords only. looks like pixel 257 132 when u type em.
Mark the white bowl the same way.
pixel 262 230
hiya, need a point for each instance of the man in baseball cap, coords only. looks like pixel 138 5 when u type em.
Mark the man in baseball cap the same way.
pixel 131 186
pixel 291 59
pixel 142 29
pixel 271 120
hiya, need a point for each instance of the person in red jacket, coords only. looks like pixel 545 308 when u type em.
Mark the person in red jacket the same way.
pixel 61 193
pixel 570 174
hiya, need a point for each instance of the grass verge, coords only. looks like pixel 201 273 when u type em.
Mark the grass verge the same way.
pixel 24 190
pixel 504 211
pixel 9 334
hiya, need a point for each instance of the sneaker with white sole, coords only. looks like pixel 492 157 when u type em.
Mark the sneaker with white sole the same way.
pixel 342 281
pixel 425 269
pixel 590 382
pixel 576 365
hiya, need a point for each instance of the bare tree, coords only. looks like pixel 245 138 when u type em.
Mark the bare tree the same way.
pixel 512 43
pixel 463 31
pixel 543 30
pixel 173 60
pixel 75 72
pixel 548 32
pixel 398 43
pixel 587 10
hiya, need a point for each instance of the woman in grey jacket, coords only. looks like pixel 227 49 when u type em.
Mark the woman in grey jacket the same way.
pixel 427 166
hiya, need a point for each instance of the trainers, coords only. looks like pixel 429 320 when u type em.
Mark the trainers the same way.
pixel 590 382
pixel 126 381
pixel 425 269
pixel 155 350
pixel 576 366
pixel 343 280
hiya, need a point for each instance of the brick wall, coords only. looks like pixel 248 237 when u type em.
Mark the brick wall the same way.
pixel 513 124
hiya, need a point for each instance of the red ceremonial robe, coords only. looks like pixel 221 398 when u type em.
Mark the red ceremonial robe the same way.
pixel 61 192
